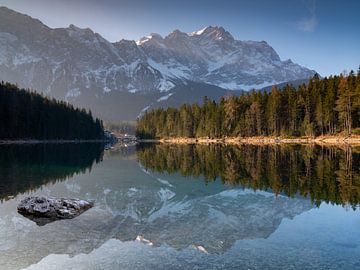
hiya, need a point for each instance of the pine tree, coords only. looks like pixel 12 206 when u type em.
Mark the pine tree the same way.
pixel 344 105
pixel 273 112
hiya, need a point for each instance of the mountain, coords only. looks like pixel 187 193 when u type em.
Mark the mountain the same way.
pixel 119 80
pixel 213 56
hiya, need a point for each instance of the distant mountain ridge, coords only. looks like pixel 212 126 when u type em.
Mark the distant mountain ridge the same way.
pixel 82 67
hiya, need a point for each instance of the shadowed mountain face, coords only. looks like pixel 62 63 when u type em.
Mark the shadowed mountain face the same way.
pixel 80 66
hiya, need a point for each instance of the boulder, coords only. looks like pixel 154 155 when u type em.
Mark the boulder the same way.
pixel 43 210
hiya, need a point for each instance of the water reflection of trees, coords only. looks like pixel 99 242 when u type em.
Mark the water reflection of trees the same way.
pixel 27 167
pixel 327 174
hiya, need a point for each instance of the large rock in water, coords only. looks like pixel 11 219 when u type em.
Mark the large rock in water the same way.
pixel 43 210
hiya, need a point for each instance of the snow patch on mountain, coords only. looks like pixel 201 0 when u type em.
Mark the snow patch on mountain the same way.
pixel 165 85
pixel 198 33
pixel 165 97
pixel 143 40
pixel 171 69
pixel 143 111
pixel 72 93
pixel 106 89
pixel 227 59
pixel 235 86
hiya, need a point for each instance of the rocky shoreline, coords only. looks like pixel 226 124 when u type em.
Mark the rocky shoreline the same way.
pixel 323 140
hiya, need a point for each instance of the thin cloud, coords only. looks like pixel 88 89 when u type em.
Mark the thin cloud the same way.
pixel 309 23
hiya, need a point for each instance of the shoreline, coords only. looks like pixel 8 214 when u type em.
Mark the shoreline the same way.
pixel 322 140
pixel 5 142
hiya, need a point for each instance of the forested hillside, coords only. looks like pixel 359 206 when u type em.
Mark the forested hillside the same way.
pixel 28 115
pixel 324 106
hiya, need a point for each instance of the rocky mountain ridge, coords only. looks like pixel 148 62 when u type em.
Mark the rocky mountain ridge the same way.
pixel 82 67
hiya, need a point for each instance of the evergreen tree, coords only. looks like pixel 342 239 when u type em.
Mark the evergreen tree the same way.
pixel 344 104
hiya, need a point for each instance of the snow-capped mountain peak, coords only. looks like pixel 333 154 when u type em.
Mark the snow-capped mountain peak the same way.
pixel 198 33
pixel 212 55
pixel 70 63
pixel 152 37
pixel 213 32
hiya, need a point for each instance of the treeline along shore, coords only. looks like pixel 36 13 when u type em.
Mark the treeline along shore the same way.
pixel 30 117
pixel 326 110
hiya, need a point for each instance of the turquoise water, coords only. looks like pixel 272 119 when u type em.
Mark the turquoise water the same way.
pixel 172 207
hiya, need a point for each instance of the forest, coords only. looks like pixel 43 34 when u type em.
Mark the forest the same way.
pixel 28 115
pixel 324 106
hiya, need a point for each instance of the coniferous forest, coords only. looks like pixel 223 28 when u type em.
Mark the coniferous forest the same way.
pixel 325 106
pixel 28 115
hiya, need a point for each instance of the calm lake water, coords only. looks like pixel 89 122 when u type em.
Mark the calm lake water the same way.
pixel 184 207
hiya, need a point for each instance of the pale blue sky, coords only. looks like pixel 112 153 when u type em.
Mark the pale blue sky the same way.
pixel 320 34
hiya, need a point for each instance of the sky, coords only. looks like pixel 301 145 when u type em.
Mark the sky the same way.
pixel 323 35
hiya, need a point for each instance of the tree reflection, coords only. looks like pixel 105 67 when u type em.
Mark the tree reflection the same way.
pixel 327 174
pixel 27 167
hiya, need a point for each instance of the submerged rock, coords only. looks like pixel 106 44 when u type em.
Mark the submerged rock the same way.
pixel 43 210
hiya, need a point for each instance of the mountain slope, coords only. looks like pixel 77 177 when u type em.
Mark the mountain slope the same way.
pixel 82 67
pixel 213 56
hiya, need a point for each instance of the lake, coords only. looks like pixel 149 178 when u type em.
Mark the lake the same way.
pixel 160 206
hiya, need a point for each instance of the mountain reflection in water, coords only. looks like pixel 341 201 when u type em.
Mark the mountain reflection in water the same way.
pixel 153 209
